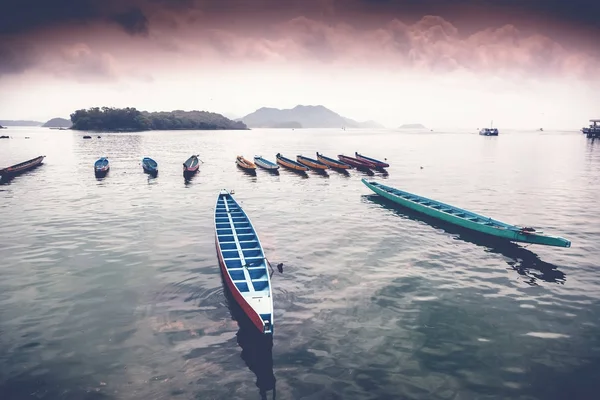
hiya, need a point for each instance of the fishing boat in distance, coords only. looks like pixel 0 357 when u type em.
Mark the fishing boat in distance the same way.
pixel 150 166
pixel 489 131
pixel 101 166
pixel 14 170
pixel 245 164
pixel 465 219
pixel 356 163
pixel 593 131
pixel 334 164
pixel 290 164
pixel 377 163
pixel 311 163
pixel 243 262
pixel 191 165
pixel 265 164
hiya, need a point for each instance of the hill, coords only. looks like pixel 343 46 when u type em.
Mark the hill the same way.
pixel 130 120
pixel 8 122
pixel 412 126
pixel 306 116
pixel 58 123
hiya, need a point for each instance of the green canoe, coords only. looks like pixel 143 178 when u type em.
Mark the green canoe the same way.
pixel 464 218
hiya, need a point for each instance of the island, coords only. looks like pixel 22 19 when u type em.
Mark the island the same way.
pixel 303 116
pixel 109 119
pixel 412 126
pixel 9 122
pixel 57 123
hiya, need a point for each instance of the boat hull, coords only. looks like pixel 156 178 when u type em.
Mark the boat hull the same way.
pixel 20 168
pixel 265 164
pixel 290 164
pixel 191 166
pixel 356 163
pixel 377 163
pixel 487 225
pixel 245 164
pixel 314 164
pixel 334 164
pixel 150 166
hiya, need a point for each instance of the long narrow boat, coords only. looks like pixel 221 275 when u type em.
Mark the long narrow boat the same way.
pixel 243 262
pixel 246 165
pixel 311 163
pixel 356 163
pixel 464 218
pixel 335 164
pixel 19 168
pixel 191 165
pixel 377 163
pixel 101 166
pixel 150 166
pixel 290 164
pixel 265 164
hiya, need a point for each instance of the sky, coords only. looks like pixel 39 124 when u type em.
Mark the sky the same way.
pixel 521 63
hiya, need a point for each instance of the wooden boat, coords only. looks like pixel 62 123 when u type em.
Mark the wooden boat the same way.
pixel 331 163
pixel 245 164
pixel 291 164
pixel 356 163
pixel 191 165
pixel 311 163
pixel 17 169
pixel 378 164
pixel 243 262
pixel 101 166
pixel 464 218
pixel 266 164
pixel 149 165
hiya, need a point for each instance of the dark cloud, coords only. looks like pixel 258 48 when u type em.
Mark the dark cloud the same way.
pixel 16 58
pixel 133 21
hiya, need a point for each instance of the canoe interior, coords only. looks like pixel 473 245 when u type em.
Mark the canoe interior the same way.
pixel 355 162
pixel 464 218
pixel 244 163
pixel 310 162
pixel 23 166
pixel 149 163
pixel 264 163
pixel 381 164
pixel 243 258
pixel 332 162
pixel 286 162
pixel 191 163
pixel 101 164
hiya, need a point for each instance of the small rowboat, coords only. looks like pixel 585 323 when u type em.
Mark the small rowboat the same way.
pixel 14 170
pixel 266 164
pixel 243 262
pixel 246 165
pixel 191 165
pixel 377 163
pixel 356 163
pixel 464 218
pixel 312 163
pixel 150 166
pixel 291 164
pixel 332 163
pixel 101 166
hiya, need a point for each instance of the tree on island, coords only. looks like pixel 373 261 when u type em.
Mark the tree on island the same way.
pixel 132 120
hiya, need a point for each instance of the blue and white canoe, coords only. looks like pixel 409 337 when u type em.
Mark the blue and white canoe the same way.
pixel 243 263
pixel 149 165
pixel 101 166
pixel 266 164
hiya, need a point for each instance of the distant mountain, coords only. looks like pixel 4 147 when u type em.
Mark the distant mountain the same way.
pixel 288 124
pixel 58 123
pixel 9 122
pixel 412 126
pixel 306 116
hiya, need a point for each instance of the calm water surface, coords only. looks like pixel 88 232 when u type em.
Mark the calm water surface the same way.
pixel 110 289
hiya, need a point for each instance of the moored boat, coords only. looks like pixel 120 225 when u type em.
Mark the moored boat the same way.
pixel 149 165
pixel 14 170
pixel 101 166
pixel 377 163
pixel 265 164
pixel 245 164
pixel 191 165
pixel 335 164
pixel 311 163
pixel 593 131
pixel 243 262
pixel 464 218
pixel 356 163
pixel 290 164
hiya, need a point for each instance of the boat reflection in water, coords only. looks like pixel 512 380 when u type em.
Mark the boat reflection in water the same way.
pixel 257 347
pixel 525 262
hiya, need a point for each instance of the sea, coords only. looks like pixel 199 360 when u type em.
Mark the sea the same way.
pixel 110 287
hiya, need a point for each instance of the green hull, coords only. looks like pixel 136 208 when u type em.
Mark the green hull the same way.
pixel 464 218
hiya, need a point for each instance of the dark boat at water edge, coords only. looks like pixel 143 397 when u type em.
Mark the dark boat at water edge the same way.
pixel 17 169
pixel 191 165
pixel 150 166
pixel 101 167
